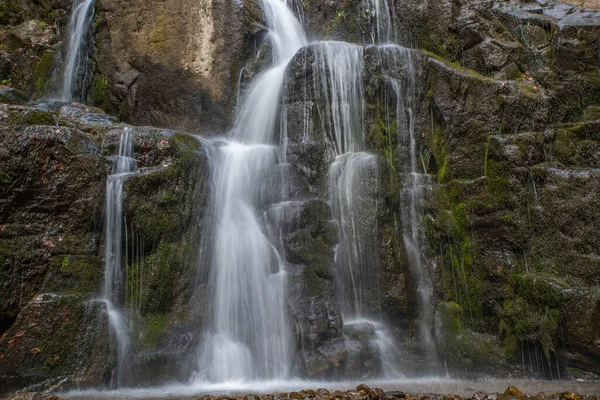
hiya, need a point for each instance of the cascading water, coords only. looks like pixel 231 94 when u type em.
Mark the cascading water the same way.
pixel 352 183
pixel 114 274
pixel 250 337
pixel 353 188
pixel 339 66
pixel 81 18
pixel 381 25
pixel 411 198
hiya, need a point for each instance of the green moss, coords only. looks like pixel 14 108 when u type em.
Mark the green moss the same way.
pixel 76 274
pixel 30 117
pixel 100 19
pixel 99 91
pixel 43 73
pixel 447 46
pixel 487 152
pixel 155 326
pixel 440 152
pixel 460 347
pixel 159 272
pixel 157 200
pixel 530 313
pixel 592 113
pixel 564 146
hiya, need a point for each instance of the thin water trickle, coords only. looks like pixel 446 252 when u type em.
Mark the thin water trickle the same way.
pixel 411 198
pixel 114 274
pixel 353 185
pixel 81 18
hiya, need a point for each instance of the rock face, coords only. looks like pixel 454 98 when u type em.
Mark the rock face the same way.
pixel 178 68
pixel 507 122
pixel 31 44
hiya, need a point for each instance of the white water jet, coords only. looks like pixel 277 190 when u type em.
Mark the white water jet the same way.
pixel 81 18
pixel 114 274
pixel 250 337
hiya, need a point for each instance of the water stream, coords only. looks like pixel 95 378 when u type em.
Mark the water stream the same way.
pixel 81 18
pixel 412 197
pixel 249 336
pixel 114 273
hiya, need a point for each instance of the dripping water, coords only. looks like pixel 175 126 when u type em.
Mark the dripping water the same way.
pixel 114 274
pixel 411 199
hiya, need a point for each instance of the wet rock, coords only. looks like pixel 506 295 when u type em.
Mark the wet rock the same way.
pixel 86 118
pixel 52 185
pixel 13 115
pixel 312 364
pixel 513 392
pixel 362 360
pixel 359 330
pixel 12 96
pixel 334 351
pixel 78 348
pixel 33 31
pixel 33 396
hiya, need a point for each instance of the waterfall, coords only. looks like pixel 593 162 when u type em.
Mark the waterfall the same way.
pixel 353 193
pixel 353 183
pixel 411 198
pixel 114 274
pixel 81 18
pixel 381 23
pixel 339 67
pixel 249 336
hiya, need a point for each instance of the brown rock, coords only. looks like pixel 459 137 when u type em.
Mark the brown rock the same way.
pixel 513 392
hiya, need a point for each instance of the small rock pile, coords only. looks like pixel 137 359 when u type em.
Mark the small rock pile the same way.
pixel 364 392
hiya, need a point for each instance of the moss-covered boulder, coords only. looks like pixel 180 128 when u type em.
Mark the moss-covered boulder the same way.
pixel 77 352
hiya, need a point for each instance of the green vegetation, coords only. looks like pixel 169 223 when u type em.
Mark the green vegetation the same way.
pixel 43 72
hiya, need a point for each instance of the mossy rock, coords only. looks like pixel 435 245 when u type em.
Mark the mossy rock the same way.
pixel 462 348
pixel 74 274
pixel 43 73
pixel 25 116
pixel 592 113
pixel 530 313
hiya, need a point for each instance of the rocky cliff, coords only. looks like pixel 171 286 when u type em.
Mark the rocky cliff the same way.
pixel 507 122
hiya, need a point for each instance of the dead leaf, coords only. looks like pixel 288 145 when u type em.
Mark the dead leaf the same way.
pixel 35 351
pixel 20 334
pixel 56 357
